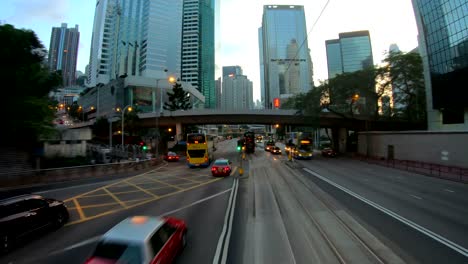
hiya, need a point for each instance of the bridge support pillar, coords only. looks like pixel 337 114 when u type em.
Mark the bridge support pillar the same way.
pixel 179 132
pixel 342 138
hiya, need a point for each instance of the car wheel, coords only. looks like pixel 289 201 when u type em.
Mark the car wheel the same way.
pixel 184 239
pixel 5 243
pixel 59 219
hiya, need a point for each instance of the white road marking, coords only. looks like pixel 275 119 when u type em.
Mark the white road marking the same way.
pixel 417 197
pixel 449 190
pixel 228 237
pixel 425 231
pixel 227 224
pixel 93 239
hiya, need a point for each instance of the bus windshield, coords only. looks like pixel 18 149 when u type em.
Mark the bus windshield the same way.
pixel 195 138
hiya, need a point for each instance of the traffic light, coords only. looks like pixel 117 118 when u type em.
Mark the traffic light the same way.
pixel 238 148
pixel 145 147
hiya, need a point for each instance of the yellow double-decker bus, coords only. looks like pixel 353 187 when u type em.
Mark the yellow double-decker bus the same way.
pixel 200 149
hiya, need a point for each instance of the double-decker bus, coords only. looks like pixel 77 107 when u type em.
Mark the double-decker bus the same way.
pixel 200 149
pixel 249 141
pixel 304 149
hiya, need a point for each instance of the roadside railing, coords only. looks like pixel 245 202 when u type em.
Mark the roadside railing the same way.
pixel 453 173
pixel 44 176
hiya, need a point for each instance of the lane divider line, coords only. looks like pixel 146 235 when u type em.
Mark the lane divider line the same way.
pixel 228 237
pixel 417 197
pixel 449 190
pixel 227 225
pixel 396 216
pixel 95 238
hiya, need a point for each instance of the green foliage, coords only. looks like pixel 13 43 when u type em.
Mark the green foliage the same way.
pixel 404 73
pixel 28 113
pixel 178 99
pixel 101 128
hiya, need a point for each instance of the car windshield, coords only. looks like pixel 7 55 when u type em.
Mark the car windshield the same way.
pixel 221 163
pixel 123 253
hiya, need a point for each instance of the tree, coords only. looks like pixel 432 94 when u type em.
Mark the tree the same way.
pixel 27 111
pixel 404 74
pixel 179 99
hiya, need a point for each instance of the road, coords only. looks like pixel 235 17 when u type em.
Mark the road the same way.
pixel 95 207
pixel 324 210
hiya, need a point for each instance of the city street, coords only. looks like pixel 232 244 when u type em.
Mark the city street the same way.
pixel 324 210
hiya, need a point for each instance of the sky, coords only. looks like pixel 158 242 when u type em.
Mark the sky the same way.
pixel 388 21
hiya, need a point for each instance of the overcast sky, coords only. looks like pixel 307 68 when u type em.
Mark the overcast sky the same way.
pixel 389 21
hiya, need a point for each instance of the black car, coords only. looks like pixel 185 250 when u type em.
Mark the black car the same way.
pixel 21 216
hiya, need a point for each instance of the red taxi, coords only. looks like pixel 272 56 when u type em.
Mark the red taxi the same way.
pixel 221 167
pixel 141 239
pixel 171 156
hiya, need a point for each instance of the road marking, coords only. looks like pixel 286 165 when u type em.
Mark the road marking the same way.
pixel 417 197
pixel 168 184
pixel 143 190
pixel 79 209
pixel 93 239
pixel 228 237
pixel 115 198
pixel 227 225
pixel 196 202
pixel 73 187
pixel 396 216
pixel 141 203
pixel 112 184
pixel 449 190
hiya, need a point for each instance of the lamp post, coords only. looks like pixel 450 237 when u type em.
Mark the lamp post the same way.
pixel 171 79
pixel 123 119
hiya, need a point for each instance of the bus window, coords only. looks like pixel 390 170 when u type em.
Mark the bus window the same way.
pixel 195 139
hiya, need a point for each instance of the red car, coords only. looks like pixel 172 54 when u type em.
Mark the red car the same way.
pixel 221 167
pixel 328 152
pixel 141 239
pixel 171 156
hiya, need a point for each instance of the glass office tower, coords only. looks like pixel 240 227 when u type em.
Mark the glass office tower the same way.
pixel 351 52
pixel 443 42
pixel 333 57
pixel 283 43
pixel 198 61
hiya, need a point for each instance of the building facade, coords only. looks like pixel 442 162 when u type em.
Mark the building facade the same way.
pixel 237 93
pixel 135 38
pixel 443 45
pixel 63 52
pixel 351 52
pixel 284 53
pixel 198 61
pixel 218 93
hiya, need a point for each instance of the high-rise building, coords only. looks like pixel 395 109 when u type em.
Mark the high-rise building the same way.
pixel 335 66
pixel 351 52
pixel 218 93
pixel 232 70
pixel 237 93
pixel 443 45
pixel 63 52
pixel 135 38
pixel 198 61
pixel 285 62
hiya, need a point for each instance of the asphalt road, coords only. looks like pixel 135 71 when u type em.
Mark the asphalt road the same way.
pixel 173 189
pixel 319 211
pixel 433 214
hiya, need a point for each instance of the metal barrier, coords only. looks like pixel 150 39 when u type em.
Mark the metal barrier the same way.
pixel 73 173
pixel 430 169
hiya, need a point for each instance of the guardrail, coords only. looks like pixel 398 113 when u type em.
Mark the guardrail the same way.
pixel 44 176
pixel 430 169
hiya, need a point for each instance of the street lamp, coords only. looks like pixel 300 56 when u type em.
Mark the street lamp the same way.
pixel 129 107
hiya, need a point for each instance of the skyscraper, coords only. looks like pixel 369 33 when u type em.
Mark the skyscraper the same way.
pixel 218 93
pixel 237 92
pixel 443 45
pixel 198 61
pixel 135 38
pixel 284 53
pixel 232 70
pixel 351 52
pixel 63 52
